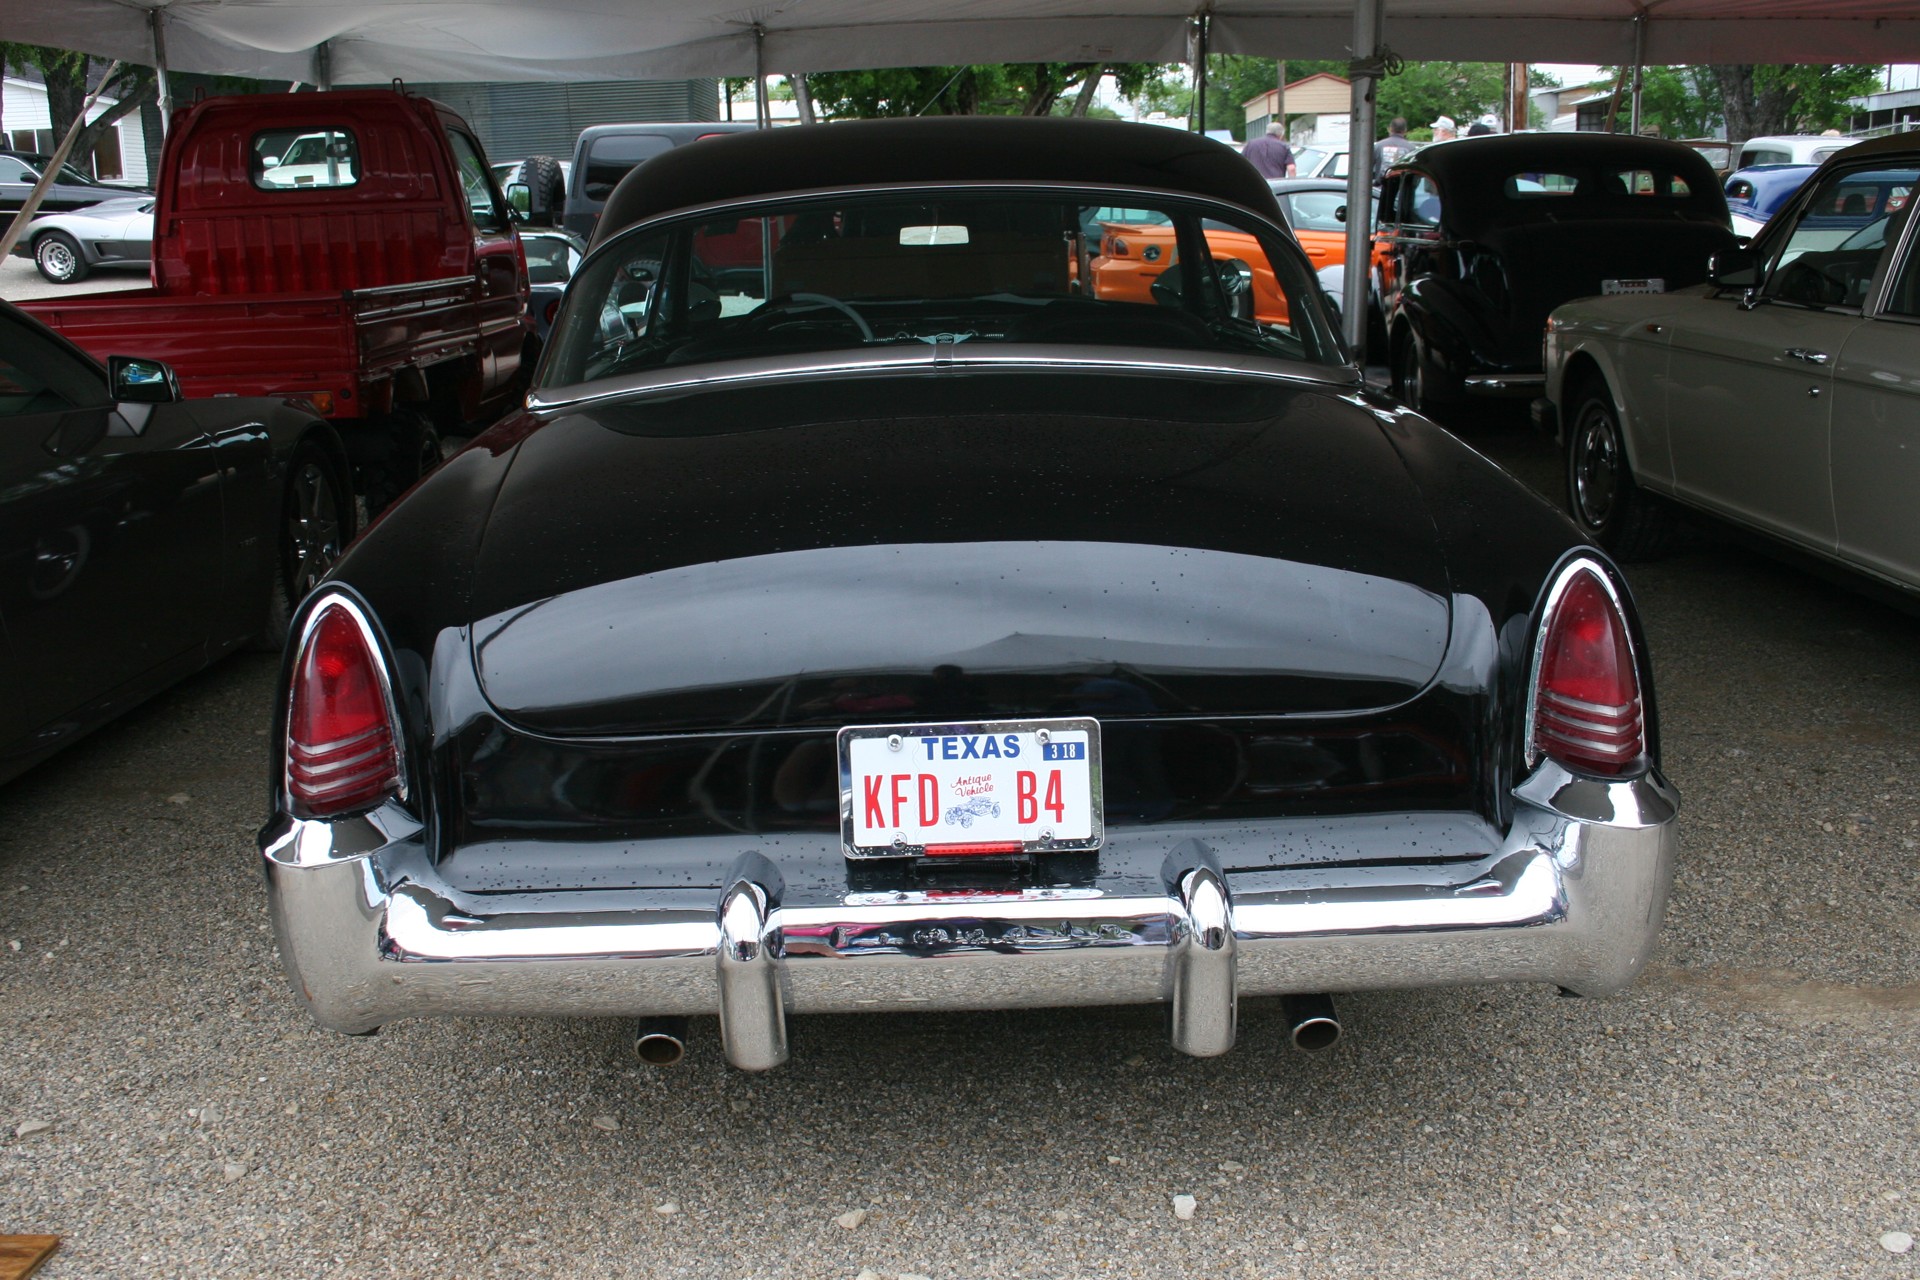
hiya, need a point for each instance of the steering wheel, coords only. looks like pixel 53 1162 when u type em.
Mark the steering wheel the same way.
pixel 765 315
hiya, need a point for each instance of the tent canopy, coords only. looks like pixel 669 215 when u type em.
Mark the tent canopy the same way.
pixel 373 41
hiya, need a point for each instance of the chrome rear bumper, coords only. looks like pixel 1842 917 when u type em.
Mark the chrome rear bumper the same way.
pixel 369 932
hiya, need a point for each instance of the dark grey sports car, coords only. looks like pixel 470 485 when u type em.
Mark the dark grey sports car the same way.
pixel 898 620
pixel 142 537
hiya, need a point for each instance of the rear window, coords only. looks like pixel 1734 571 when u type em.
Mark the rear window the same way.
pixel 288 159
pixel 860 271
pixel 1529 186
pixel 614 156
pixel 1649 182
pixel 1601 185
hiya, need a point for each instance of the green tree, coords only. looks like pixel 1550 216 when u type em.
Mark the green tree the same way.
pixel 1005 88
pixel 1748 100
pixel 68 76
pixel 1422 92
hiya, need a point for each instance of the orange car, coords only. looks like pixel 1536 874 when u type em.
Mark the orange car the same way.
pixel 1133 254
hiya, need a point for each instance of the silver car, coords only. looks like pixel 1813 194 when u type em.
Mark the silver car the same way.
pixel 1784 396
pixel 67 247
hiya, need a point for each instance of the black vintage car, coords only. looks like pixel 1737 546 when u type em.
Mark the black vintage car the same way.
pixel 20 171
pixel 1476 240
pixel 923 625
pixel 141 537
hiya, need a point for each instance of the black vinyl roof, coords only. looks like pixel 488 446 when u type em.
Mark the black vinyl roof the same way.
pixel 1472 173
pixel 940 149
pixel 1514 152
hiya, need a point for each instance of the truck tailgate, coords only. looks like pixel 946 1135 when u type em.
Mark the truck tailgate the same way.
pixel 286 344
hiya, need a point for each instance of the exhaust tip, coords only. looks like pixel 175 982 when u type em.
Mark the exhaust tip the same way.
pixel 660 1042
pixel 1312 1024
pixel 1316 1034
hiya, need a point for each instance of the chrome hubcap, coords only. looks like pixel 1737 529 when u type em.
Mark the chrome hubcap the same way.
pixel 1596 475
pixel 313 530
pixel 57 259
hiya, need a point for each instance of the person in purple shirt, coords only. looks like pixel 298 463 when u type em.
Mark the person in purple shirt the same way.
pixel 1270 154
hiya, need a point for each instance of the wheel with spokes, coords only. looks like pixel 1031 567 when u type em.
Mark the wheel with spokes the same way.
pixel 58 256
pixel 316 520
pixel 1601 494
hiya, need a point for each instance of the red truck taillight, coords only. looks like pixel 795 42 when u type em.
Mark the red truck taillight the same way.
pixel 1586 711
pixel 342 736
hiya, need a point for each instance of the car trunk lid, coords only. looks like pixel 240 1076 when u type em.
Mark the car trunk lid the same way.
pixel 956 548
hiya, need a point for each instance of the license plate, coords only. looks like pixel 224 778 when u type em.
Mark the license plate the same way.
pixel 986 788
pixel 1653 284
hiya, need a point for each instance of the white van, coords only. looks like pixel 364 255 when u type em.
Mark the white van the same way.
pixel 1792 148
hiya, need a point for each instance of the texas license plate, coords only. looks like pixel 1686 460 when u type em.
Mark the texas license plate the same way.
pixel 1652 284
pixel 986 788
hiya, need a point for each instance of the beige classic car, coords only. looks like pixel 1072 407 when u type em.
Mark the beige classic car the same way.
pixel 1783 396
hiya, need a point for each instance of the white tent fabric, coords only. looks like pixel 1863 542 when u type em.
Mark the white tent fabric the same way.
pixel 372 41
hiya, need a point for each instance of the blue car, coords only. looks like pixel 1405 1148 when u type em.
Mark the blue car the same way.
pixel 1756 194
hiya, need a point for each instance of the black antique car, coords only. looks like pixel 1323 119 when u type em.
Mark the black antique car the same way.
pixel 1476 240
pixel 142 537
pixel 914 627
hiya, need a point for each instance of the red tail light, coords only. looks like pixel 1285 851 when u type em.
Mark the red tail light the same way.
pixel 342 743
pixel 1586 696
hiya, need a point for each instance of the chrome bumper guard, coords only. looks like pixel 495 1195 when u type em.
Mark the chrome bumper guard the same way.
pixel 369 933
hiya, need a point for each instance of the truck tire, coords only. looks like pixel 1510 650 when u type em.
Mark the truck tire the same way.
pixel 546 190
pixel 58 256
pixel 316 523
pixel 410 450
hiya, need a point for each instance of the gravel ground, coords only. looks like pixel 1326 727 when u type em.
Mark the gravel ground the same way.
pixel 1746 1110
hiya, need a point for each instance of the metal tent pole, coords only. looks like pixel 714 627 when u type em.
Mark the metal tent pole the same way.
pixel 1200 74
pixel 1639 67
pixel 1366 68
pixel 323 66
pixel 762 110
pixel 156 21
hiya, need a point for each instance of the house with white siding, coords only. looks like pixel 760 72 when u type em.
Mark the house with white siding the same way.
pixel 25 123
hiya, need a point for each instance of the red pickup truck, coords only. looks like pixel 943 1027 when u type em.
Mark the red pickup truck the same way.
pixel 351 249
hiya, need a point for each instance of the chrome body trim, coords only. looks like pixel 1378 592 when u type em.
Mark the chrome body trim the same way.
pixel 1506 384
pixel 369 931
pixel 935 358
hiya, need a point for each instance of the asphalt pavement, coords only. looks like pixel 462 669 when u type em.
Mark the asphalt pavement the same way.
pixel 21 281
pixel 1747 1109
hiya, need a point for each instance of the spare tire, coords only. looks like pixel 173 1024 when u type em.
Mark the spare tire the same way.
pixel 546 190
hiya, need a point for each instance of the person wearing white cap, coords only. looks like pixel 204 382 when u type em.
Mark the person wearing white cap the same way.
pixel 1445 130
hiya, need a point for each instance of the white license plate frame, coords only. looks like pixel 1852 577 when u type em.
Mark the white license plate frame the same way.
pixel 989 828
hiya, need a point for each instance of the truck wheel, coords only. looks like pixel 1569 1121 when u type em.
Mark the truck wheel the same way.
pixel 546 190
pixel 1607 505
pixel 57 255
pixel 412 449
pixel 315 524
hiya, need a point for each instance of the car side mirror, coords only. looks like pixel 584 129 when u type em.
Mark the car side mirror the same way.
pixel 1340 214
pixel 136 381
pixel 519 200
pixel 1735 269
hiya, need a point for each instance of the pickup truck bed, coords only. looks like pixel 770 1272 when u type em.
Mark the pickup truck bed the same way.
pixel 338 349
